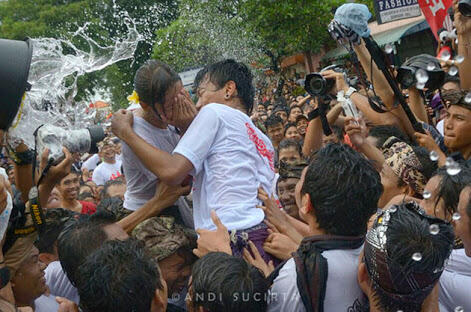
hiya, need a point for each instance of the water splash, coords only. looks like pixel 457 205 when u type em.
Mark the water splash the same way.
pixel 55 68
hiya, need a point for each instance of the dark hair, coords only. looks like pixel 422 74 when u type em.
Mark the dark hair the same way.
pixel 450 187
pixel 281 102
pixel 289 125
pixel 84 195
pixel 429 167
pixel 293 107
pixel 273 120
pixel 152 80
pixel 80 238
pixel 113 205
pixel 384 132
pixel 225 283
pixel 56 219
pixel 289 143
pixel 344 188
pixel 338 132
pixel 118 276
pixel 110 183
pixel 229 70
pixel 450 78
pixel 407 234
pixel 301 117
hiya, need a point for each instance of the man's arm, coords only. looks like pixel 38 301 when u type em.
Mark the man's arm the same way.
pixel 463 30
pixel 171 169
pixel 164 197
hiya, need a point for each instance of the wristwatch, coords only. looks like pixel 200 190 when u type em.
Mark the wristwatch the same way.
pixel 349 92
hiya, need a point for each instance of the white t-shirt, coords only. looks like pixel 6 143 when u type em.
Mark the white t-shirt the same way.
pixel 46 304
pixel 231 159
pixel 59 283
pixel 91 163
pixel 455 283
pixel 105 172
pixel 141 182
pixel 342 290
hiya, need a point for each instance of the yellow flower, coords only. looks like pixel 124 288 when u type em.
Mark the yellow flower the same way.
pixel 134 97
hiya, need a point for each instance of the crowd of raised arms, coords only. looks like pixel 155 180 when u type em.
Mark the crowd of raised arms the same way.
pixel 243 195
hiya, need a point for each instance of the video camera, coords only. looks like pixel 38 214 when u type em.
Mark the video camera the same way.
pixel 407 73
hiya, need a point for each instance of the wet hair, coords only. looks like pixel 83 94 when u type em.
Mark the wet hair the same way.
pixel 384 132
pixel 80 238
pixel 153 80
pixel 450 78
pixel 344 190
pixel 289 143
pixel 110 183
pixel 113 205
pixel 273 120
pixel 229 70
pixel 289 125
pixel 119 276
pixel 56 219
pixel 450 187
pixel 409 233
pixel 222 282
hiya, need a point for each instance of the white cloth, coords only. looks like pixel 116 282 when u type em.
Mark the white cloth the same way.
pixel 231 159
pixel 46 304
pixel 455 282
pixel 59 283
pixel 105 172
pixel 441 127
pixel 91 163
pixel 140 181
pixel 342 290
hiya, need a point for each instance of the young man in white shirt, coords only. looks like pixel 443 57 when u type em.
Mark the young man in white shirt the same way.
pixel 336 195
pixel 110 168
pixel 227 155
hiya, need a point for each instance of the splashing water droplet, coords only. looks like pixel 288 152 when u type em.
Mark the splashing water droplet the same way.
pixel 456 216
pixel 420 85
pixel 434 229
pixel 426 194
pixel 417 256
pixel 433 156
pixel 456 41
pixel 388 48
pixel 392 209
pixel 453 71
pixel 431 66
pixel 467 98
pixel 459 59
pixel 459 309
pixel 445 56
pixel 452 167
pixel 421 76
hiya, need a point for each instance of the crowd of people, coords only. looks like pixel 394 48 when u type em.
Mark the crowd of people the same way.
pixel 253 196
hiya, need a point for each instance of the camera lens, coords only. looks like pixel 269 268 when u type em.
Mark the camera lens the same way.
pixel 315 84
pixel 464 6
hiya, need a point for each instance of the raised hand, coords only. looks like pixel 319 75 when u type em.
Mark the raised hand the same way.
pixel 122 123
pixel 213 241
pixel 257 261
pixel 280 245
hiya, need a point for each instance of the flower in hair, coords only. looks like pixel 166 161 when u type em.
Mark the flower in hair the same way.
pixel 134 97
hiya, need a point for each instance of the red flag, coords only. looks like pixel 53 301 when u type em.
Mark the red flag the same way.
pixel 435 12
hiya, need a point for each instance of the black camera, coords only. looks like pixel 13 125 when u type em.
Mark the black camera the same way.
pixel 464 6
pixel 406 74
pixel 316 85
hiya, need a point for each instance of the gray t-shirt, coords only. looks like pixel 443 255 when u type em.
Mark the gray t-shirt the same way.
pixel 342 290
pixel 46 304
pixel 455 282
pixel 140 181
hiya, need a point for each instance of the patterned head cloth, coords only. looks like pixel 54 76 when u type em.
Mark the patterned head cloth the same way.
pixel 163 237
pixel 291 171
pixel 409 281
pixel 404 162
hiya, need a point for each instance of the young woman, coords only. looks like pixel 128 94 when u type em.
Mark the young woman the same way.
pixel 228 157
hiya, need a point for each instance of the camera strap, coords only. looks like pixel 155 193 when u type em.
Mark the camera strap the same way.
pixel 321 112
